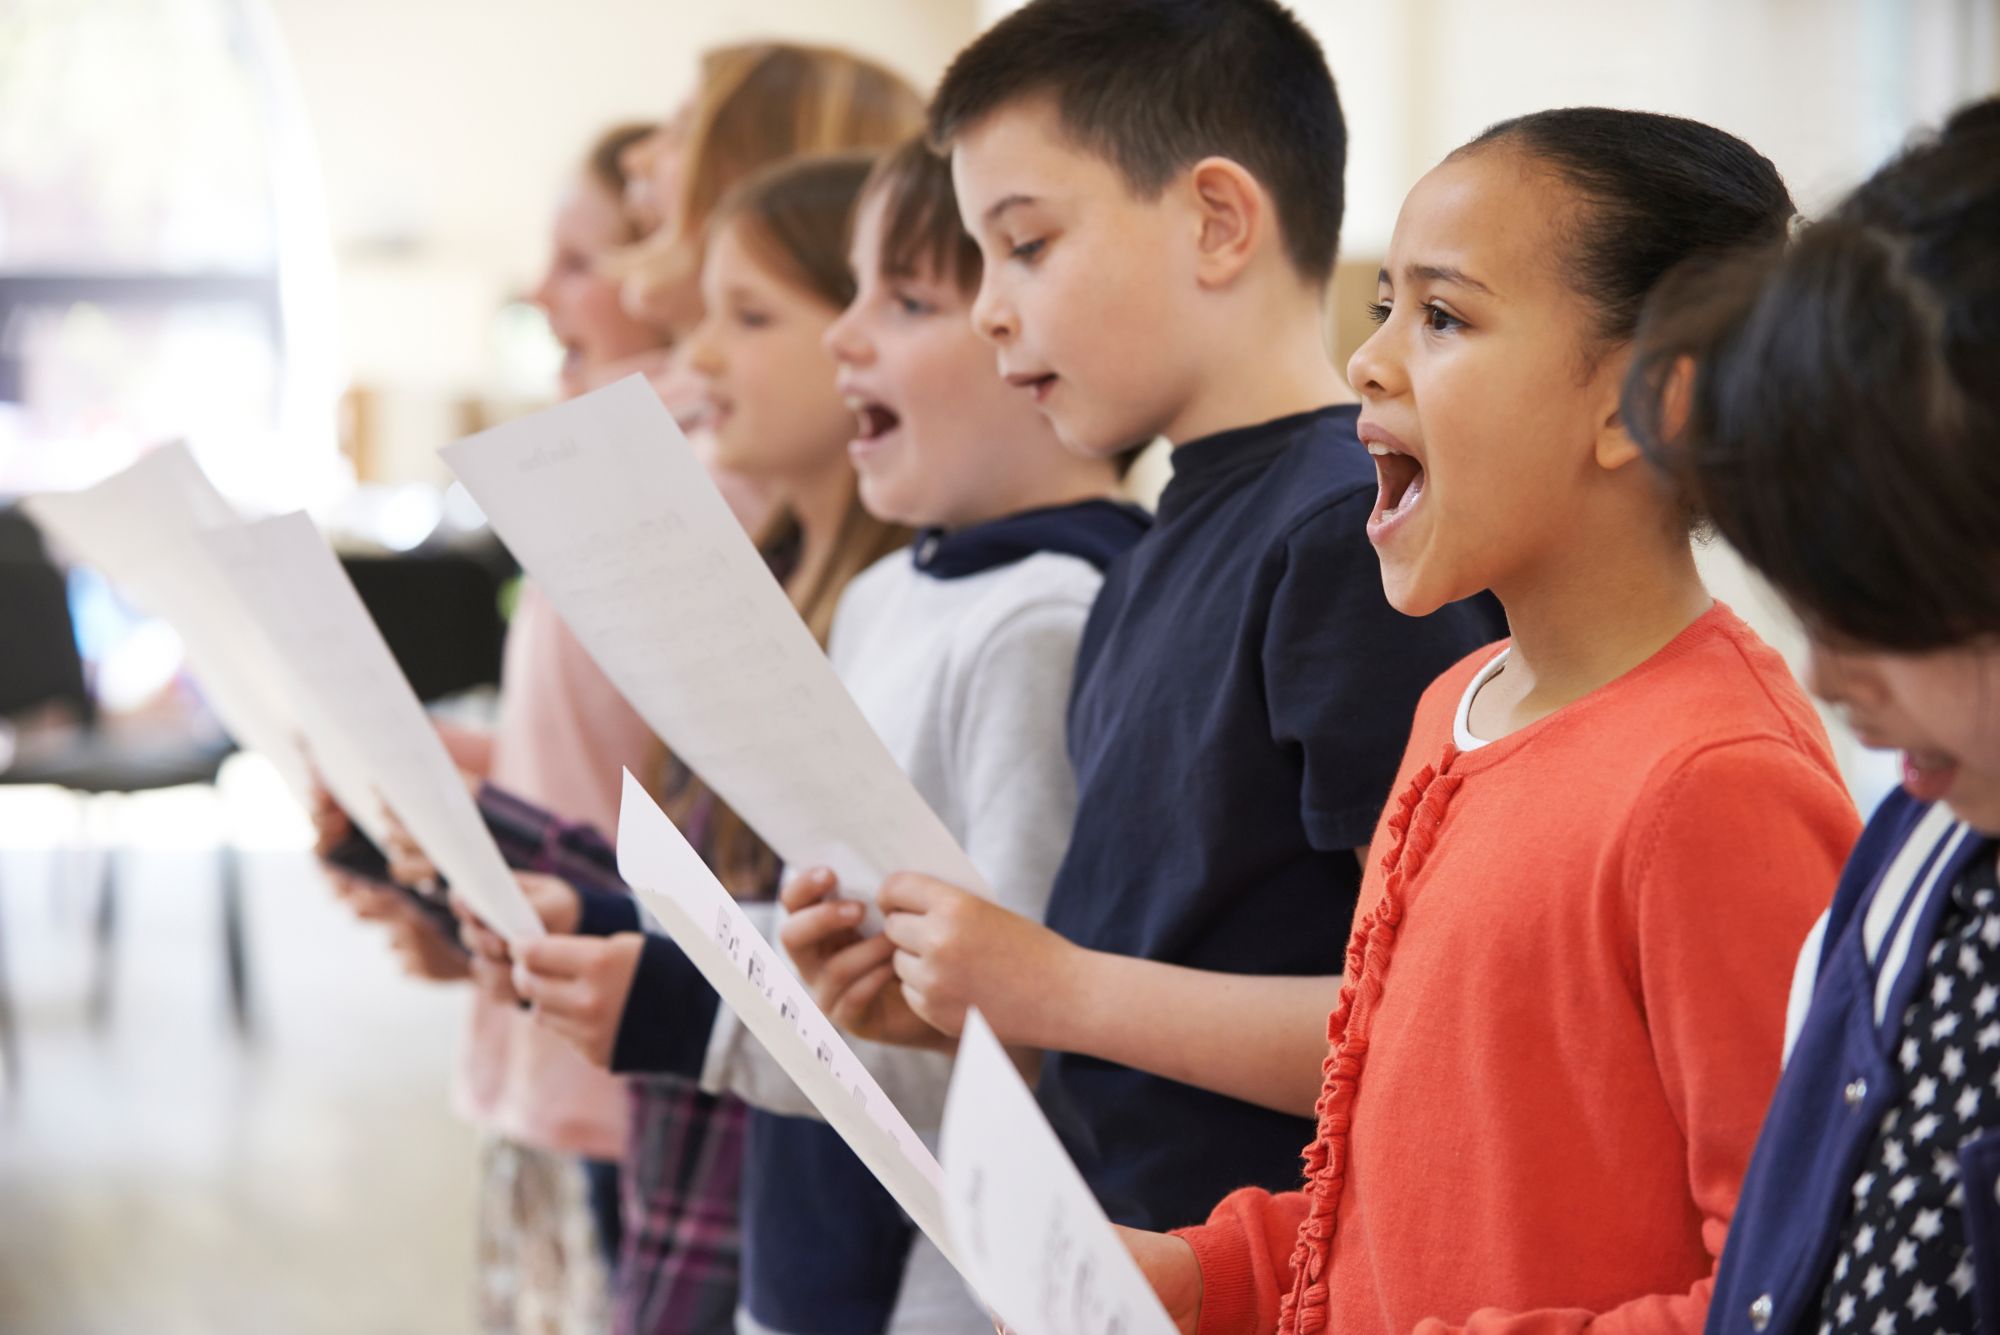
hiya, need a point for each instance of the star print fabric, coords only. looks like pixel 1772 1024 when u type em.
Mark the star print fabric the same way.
pixel 1903 1264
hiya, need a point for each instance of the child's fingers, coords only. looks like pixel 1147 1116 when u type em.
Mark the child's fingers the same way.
pixel 819 927
pixel 808 887
pixel 915 933
pixel 565 999
pixel 851 1010
pixel 555 957
pixel 909 892
pixel 485 943
pixel 842 970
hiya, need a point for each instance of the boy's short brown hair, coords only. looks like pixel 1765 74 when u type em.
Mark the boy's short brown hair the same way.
pixel 1154 86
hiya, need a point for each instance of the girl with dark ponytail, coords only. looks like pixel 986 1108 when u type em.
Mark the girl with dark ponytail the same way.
pixel 1560 1017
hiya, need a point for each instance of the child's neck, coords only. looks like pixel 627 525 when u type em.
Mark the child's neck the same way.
pixel 1278 368
pixel 1582 623
pixel 819 503
pixel 1083 480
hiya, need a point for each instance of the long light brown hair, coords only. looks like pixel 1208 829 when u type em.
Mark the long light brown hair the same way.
pixel 759 104
pixel 794 219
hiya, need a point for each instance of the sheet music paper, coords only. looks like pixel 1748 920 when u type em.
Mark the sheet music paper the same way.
pixel 352 694
pixel 754 981
pixel 606 506
pixel 1031 1235
pixel 138 527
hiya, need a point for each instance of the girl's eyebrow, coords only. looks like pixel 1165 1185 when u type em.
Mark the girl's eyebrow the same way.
pixel 1437 273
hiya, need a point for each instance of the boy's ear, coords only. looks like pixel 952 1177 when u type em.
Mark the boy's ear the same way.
pixel 1232 215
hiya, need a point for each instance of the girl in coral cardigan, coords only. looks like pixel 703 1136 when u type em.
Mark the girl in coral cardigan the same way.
pixel 1561 1016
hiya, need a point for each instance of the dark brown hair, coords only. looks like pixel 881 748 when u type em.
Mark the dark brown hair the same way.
pixel 1656 190
pixel 1834 405
pixel 922 233
pixel 1155 86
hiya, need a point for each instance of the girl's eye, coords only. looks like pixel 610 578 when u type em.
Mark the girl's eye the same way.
pixel 1378 312
pixel 1439 320
pixel 1028 251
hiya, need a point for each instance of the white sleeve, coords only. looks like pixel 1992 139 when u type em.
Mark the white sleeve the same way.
pixel 1005 735
pixel 1805 977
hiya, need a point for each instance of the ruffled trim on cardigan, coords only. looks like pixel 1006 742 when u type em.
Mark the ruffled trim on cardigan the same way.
pixel 1414 826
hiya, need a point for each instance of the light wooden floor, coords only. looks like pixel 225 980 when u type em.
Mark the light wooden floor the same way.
pixel 159 1175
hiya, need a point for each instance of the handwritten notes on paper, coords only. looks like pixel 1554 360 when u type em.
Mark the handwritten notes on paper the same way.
pixel 1006 1206
pixel 605 504
pixel 1031 1236
pixel 678 888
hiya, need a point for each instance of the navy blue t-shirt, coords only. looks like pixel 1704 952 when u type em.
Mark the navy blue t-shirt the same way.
pixel 1243 695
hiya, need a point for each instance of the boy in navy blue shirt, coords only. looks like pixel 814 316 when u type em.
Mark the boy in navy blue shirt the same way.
pixel 1156 188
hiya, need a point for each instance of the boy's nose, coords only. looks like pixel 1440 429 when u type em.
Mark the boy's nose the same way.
pixel 992 316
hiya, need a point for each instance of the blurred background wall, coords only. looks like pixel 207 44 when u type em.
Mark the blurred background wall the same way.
pixel 298 233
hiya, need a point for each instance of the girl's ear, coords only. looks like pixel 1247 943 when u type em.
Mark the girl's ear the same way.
pixel 1232 214
pixel 1615 448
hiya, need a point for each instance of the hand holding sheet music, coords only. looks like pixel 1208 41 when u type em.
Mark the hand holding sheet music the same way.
pixel 1007 1207
pixel 755 982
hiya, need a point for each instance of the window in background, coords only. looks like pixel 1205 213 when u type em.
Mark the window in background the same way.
pixel 163 262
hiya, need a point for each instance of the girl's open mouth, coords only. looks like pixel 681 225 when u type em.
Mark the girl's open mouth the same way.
pixel 1399 481
pixel 1928 775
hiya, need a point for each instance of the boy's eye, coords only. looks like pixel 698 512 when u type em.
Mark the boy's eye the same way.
pixel 1027 251
pixel 750 319
pixel 910 305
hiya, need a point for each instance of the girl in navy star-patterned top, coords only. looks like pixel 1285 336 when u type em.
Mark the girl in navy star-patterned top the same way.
pixel 1835 404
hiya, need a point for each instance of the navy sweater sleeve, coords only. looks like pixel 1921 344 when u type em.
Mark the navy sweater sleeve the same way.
pixel 1343 669
pixel 604 912
pixel 668 1015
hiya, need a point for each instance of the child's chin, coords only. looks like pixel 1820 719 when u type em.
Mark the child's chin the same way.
pixel 1975 799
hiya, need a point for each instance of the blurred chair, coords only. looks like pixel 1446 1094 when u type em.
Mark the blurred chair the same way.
pixel 59 740
pixel 439 610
